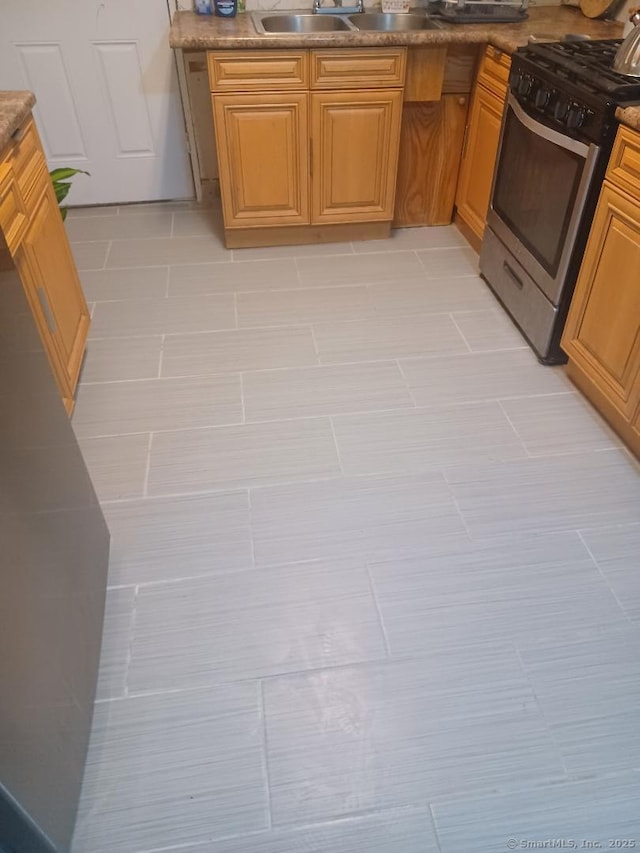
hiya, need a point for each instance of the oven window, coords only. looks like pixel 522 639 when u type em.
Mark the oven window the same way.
pixel 535 191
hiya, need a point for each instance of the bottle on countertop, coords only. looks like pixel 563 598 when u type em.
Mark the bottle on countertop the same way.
pixel 204 7
pixel 225 8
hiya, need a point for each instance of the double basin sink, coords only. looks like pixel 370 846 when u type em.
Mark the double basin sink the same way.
pixel 269 23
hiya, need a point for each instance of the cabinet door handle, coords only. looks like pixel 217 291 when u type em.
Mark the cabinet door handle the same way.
pixel 46 310
pixel 512 275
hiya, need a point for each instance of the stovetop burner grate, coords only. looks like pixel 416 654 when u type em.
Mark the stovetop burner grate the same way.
pixel 587 63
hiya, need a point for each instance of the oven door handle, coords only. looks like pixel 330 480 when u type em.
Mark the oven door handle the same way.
pixel 546 132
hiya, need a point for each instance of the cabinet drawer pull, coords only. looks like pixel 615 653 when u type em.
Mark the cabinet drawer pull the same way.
pixel 512 275
pixel 46 310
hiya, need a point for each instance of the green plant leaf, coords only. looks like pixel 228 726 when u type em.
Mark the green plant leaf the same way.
pixel 63 174
pixel 63 212
pixel 61 190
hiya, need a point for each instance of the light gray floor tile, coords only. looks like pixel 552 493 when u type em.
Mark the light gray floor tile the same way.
pixel 287 307
pixel 422 440
pixel 160 252
pixel 94 210
pixel 387 337
pixel 239 456
pixel 554 493
pixel 198 279
pixel 590 813
pixel 491 329
pixel 394 831
pixel 359 515
pixel 163 316
pixel 114 359
pixel 480 376
pixel 254 624
pixel 237 350
pixel 616 550
pixel 167 538
pixel 177 206
pixel 427 296
pixel 588 688
pixel 117 465
pixel 446 263
pixel 381 735
pixel 464 591
pixel 115 408
pixel 439 237
pixel 358 269
pixel 116 636
pixel 90 256
pixel 115 227
pixel 311 391
pixel 173 769
pixel 195 223
pixel 315 250
pixel 138 283
pixel 563 423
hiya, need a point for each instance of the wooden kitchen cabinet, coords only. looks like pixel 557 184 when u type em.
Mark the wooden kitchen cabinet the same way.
pixel 316 150
pixel 481 144
pixel 40 252
pixel 602 333
pixel 354 137
pixel 263 152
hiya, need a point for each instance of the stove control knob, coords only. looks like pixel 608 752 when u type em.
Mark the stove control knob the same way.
pixel 575 116
pixel 543 96
pixel 525 84
pixel 560 110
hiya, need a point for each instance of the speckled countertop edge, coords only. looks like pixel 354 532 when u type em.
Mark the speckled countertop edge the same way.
pixel 14 108
pixel 200 32
pixel 629 116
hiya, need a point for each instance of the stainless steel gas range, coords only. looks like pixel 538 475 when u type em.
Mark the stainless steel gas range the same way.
pixel 557 133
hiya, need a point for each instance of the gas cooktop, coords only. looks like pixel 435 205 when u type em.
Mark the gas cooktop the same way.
pixel 586 63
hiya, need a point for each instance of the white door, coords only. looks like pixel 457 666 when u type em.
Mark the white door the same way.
pixel 107 93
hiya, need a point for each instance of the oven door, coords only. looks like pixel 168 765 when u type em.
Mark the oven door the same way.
pixel 539 190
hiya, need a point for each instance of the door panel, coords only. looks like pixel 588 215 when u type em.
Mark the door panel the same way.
pixel 356 138
pixel 607 297
pixel 107 93
pixel 263 157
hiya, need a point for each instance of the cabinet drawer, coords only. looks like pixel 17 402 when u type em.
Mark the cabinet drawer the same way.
pixel 624 165
pixel 494 70
pixel 364 68
pixel 258 70
pixel 24 155
pixel 13 217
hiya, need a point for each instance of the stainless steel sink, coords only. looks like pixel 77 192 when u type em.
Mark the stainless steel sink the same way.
pixel 270 23
pixel 393 23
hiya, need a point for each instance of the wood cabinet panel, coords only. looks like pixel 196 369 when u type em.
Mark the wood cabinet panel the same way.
pixel 602 334
pixel 262 143
pixel 13 215
pixel 429 161
pixel 258 70
pixel 360 68
pixel 624 165
pixel 48 273
pixel 493 72
pixel 425 73
pixel 479 158
pixel 355 137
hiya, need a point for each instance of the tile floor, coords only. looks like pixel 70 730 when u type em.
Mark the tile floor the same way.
pixel 375 574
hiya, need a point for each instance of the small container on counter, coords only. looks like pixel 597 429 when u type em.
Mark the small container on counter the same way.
pixel 225 8
pixel 204 7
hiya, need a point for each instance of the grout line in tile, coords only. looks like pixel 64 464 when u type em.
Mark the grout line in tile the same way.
pixel 244 414
pixel 460 332
pixel 434 827
pixel 604 577
pixel 376 604
pixel 132 628
pixel 335 441
pixel 512 425
pixel 235 310
pixel 106 257
pixel 161 358
pixel 265 757
pixel 147 467
pixel 173 217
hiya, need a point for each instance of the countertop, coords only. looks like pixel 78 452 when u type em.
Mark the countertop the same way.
pixel 190 31
pixel 14 108
pixel 629 116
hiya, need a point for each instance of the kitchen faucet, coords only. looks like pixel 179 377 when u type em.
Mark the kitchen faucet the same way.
pixel 338 8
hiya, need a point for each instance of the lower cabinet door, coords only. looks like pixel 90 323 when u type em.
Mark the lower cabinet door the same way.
pixel 263 157
pixel 48 273
pixel 479 159
pixel 607 297
pixel 356 136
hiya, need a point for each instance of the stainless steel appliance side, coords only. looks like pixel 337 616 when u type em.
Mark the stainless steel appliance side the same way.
pixel 54 550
